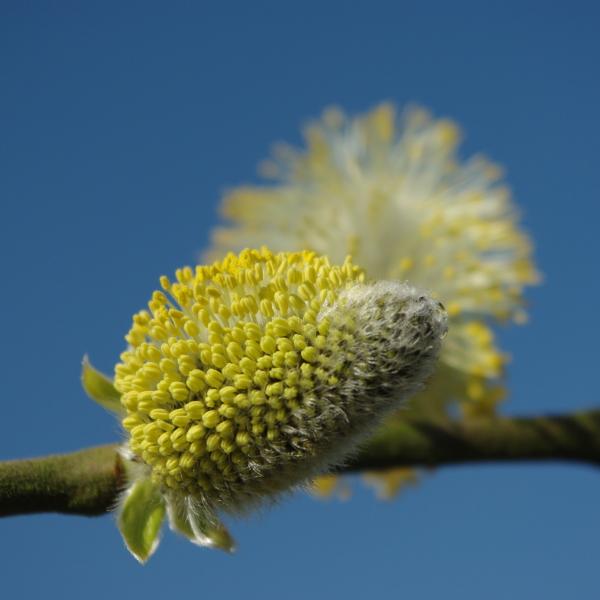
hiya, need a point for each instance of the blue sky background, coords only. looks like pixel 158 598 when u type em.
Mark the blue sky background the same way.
pixel 121 124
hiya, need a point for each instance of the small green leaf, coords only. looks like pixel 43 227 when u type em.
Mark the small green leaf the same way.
pixel 198 526
pixel 141 517
pixel 99 387
pixel 178 520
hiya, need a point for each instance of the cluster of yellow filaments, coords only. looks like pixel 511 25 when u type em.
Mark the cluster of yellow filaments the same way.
pixel 220 372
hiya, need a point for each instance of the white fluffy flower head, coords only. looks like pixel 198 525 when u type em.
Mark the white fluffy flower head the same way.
pixel 393 193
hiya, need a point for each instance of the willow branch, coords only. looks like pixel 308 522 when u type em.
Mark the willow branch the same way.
pixel 573 437
pixel 88 482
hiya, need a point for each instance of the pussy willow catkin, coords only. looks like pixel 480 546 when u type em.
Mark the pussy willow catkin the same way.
pixel 248 376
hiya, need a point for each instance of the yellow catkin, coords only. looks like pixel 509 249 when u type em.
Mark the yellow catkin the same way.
pixel 218 361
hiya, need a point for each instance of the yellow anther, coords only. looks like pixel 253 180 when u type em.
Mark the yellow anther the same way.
pixel 242 382
pixel 243 438
pixel 225 429
pixel 195 432
pixel 164 439
pixel 310 274
pixel 241 401
pixel 234 351
pixel 267 344
pixel 218 360
pixel 306 291
pixel 290 392
pixel 265 362
pixel 159 333
pixel 195 384
pixel 181 420
pixel 277 373
pixel 214 327
pixel 214 378
pixel 159 413
pixel 292 378
pixel 323 327
pixel 281 300
pixel 198 447
pixel 131 421
pixel 253 350
pixel 261 378
pixel 227 393
pixel 179 391
pixel 257 397
pixel 274 389
pixel 186 364
pixel 191 328
pixel 230 370
pixel 299 342
pixel 227 411
pixel 195 409
pixel 228 446
pixel 168 365
pixel 320 342
pixel 151 370
pixel 175 314
pixel 160 397
pixel 187 461
pixel 212 398
pixel 177 434
pixel 266 308
pixel 250 305
pixel 280 327
pixel 291 358
pixel 247 365
pixel 238 335
pixel 309 354
pixel 278 359
pixel 310 318
pixel 204 316
pixel 296 302
pixel 213 442
pixel 212 291
pixel 210 419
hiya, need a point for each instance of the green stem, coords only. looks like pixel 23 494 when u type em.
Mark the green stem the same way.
pixel 88 482
pixel 574 437
pixel 83 483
